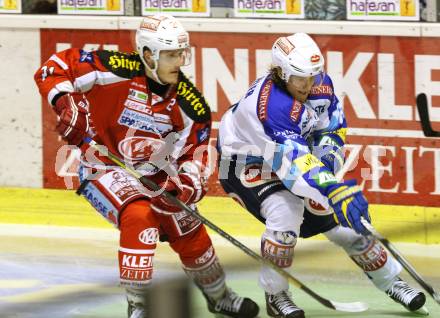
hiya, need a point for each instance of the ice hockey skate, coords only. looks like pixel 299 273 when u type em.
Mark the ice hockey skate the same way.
pixel 412 299
pixel 281 305
pixel 232 305
pixel 136 311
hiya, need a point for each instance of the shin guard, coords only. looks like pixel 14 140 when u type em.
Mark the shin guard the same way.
pixel 368 254
pixel 278 247
pixel 208 276
pixel 200 262
pixel 376 262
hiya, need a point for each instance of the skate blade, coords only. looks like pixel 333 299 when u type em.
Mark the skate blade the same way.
pixel 423 311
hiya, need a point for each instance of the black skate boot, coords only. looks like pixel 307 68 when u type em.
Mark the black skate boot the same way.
pixel 281 306
pixel 232 305
pixel 412 299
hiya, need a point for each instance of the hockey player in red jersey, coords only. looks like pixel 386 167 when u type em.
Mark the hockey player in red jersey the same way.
pixel 132 103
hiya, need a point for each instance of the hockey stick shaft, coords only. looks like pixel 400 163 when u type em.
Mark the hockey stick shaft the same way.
pixel 350 307
pixel 422 107
pixel 399 257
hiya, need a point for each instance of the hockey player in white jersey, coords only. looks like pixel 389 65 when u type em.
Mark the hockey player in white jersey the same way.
pixel 281 146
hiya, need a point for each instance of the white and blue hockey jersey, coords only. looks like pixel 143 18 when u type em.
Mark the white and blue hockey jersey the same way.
pixel 269 125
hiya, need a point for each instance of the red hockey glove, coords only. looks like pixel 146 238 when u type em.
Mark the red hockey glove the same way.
pixel 186 187
pixel 73 122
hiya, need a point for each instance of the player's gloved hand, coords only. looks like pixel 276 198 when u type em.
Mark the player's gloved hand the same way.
pixel 186 187
pixel 349 205
pixel 74 120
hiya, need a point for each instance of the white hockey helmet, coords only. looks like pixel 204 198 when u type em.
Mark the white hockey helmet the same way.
pixel 297 55
pixel 161 32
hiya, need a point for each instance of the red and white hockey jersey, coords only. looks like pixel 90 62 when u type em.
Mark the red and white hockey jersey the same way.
pixel 127 117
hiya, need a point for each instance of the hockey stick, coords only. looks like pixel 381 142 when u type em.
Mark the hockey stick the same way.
pixel 348 307
pixel 422 107
pixel 399 257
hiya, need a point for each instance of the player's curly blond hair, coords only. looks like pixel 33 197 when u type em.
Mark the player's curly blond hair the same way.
pixel 275 74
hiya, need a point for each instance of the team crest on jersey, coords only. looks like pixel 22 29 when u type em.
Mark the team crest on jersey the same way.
pixel 191 101
pixel 139 148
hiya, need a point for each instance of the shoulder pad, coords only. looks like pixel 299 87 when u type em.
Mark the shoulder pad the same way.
pixel 191 101
pixel 122 64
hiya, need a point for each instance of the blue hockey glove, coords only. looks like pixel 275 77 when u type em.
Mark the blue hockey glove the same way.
pixel 349 205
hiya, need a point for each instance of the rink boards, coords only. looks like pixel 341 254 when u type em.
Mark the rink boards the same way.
pixel 64 208
pixel 377 69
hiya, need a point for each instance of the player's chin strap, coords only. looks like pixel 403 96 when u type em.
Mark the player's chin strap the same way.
pixel 348 307
pixel 399 257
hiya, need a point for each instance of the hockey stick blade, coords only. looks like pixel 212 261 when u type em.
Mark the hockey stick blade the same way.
pixel 399 257
pixel 347 307
pixel 350 307
pixel 422 107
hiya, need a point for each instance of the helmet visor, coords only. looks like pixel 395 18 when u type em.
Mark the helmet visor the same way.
pixel 181 57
